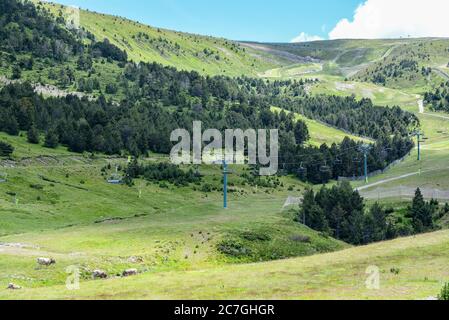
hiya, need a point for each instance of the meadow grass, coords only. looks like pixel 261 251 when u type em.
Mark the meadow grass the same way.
pixel 420 263
pixel 321 133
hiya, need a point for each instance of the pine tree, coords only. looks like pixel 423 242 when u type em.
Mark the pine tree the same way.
pixel 306 207
pixel 51 139
pixel 421 213
pixel 379 222
pixel 33 135
pixel 5 149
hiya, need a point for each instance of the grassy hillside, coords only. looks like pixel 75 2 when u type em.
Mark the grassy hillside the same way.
pixel 405 66
pixel 58 204
pixel 338 57
pixel 419 265
pixel 378 61
pixel 321 133
pixel 207 55
pixel 68 211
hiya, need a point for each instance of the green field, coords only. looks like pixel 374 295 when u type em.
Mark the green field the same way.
pixel 421 263
pixel 321 133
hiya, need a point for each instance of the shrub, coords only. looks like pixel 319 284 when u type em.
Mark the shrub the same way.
pixel 300 238
pixel 37 186
pixel 233 248
pixel 5 149
pixel 444 295
pixel 51 139
pixel 33 135
pixel 395 271
pixel 255 236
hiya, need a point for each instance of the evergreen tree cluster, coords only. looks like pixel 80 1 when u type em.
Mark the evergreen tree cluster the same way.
pixel 157 172
pixel 359 117
pixel 439 99
pixel 340 212
pixel 157 99
pixel 29 29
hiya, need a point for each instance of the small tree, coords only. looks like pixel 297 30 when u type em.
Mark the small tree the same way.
pixel 5 149
pixel 444 295
pixel 33 135
pixel 51 139
pixel 421 213
pixel 16 72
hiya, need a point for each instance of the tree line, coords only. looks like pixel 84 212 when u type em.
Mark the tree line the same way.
pixel 340 212
pixel 158 99
pixel 438 99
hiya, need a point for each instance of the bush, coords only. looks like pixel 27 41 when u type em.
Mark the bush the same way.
pixel 111 88
pixel 233 248
pixel 51 139
pixel 255 236
pixel 206 188
pixel 33 135
pixel 37 186
pixel 300 238
pixel 5 149
pixel 444 295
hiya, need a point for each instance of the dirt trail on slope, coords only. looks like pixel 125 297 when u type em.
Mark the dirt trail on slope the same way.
pixel 441 73
pixel 280 53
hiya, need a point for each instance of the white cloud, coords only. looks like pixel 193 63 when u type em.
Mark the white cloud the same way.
pixel 395 18
pixel 304 37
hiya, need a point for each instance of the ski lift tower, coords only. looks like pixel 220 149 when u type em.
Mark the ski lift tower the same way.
pixel 226 172
pixel 420 138
pixel 365 149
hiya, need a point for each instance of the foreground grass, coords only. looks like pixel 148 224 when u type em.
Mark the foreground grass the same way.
pixel 422 263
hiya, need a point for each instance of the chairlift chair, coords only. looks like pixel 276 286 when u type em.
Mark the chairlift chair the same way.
pixel 3 177
pixel 324 168
pixel 301 170
pixel 115 179
pixel 338 160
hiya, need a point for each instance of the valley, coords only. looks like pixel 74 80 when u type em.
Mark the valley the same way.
pixel 110 116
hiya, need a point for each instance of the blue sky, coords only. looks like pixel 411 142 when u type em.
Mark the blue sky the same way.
pixel 257 20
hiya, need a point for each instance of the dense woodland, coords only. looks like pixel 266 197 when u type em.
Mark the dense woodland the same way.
pixel 155 100
pixel 439 99
pixel 340 211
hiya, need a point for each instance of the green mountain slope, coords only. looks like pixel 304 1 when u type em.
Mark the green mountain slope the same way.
pixel 207 55
pixel 363 60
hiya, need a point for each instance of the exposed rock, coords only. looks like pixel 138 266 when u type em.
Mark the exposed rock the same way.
pixel 99 274
pixel 46 261
pixel 135 259
pixel 129 272
pixel 13 286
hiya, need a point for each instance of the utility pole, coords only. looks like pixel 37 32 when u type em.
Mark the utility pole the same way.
pixel 365 149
